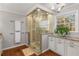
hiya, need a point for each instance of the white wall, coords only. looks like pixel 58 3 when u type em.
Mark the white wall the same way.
pixel 7 27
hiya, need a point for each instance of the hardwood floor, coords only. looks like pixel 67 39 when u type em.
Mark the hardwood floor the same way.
pixel 18 52
pixel 49 53
pixel 14 51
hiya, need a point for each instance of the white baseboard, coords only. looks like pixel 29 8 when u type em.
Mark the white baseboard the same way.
pixel 45 50
pixel 15 46
pixel 26 44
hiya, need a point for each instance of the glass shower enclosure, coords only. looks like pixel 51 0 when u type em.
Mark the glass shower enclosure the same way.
pixel 38 23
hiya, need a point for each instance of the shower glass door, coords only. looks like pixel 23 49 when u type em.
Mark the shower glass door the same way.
pixel 36 29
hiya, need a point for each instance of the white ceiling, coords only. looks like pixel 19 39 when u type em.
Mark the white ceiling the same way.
pixel 22 8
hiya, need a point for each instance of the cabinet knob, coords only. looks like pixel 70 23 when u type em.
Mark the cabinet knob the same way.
pixel 71 46
pixel 12 33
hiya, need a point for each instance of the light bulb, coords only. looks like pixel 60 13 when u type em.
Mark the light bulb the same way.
pixel 57 6
pixel 38 9
pixel 53 7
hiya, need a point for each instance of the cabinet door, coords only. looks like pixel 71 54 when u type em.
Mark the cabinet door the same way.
pixel 44 42
pixel 52 43
pixel 72 49
pixel 60 48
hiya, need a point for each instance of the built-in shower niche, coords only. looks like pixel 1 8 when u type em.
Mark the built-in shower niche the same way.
pixel 38 23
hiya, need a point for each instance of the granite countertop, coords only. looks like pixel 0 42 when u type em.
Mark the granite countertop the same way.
pixel 67 37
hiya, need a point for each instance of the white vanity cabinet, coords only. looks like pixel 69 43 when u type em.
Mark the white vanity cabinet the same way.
pixel 52 43
pixel 57 45
pixel 72 48
pixel 60 47
pixel 63 46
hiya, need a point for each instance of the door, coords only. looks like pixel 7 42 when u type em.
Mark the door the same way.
pixel 44 42
pixel 72 49
pixel 60 48
pixel 52 43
